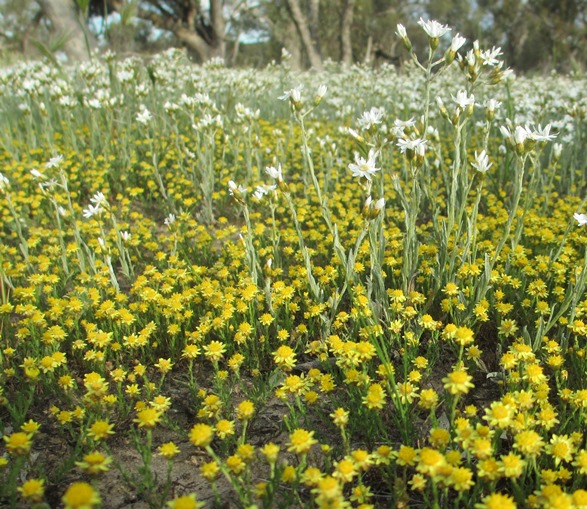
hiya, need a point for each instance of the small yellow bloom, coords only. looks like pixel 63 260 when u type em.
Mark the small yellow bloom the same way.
pixel 81 495
pixel 201 435
pixel 301 440
pixel 32 490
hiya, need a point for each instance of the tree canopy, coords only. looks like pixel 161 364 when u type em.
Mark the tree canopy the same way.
pixel 533 34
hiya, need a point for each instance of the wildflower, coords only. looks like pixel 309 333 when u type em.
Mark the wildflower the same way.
pixel 245 410
pixel 406 455
pixel 144 116
pixel 458 382
pixel 201 435
pixel 340 417
pixel 275 173
pixel 210 470
pixel 561 448
pixel 100 430
pixel 91 210
pixel 497 501
pixel 270 451
pixel 580 218
pixel 284 357
pixel 18 443
pixel 344 470
pixel 294 95
pixel 168 450
pixel 214 351
pixel 529 443
pixel 148 418
pixel 430 462
pixel 403 35
pixel 364 167
pixel 301 440
pixel 81 495
pixel 481 163
pixel 94 463
pixel 428 399
pixel 33 490
pixel 375 398
pixel 185 502
pixel 433 28
pixel 512 465
pixel 461 479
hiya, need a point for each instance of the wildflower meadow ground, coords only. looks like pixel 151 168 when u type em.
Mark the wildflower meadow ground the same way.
pixel 260 288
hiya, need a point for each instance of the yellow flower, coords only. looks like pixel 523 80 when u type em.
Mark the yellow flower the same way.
pixel 235 464
pixel 168 450
pixel 529 443
pixel 561 448
pixel 94 463
pixel 431 462
pixel 461 479
pixel 340 417
pixel 32 490
pixel 497 501
pixel 245 410
pixel 301 440
pixel 499 415
pixel 214 350
pixel 210 470
pixel 148 418
pixel 100 430
pixel 81 495
pixel 270 451
pixel 344 470
pixel 375 398
pixel 164 365
pixel 512 465
pixel 284 357
pixel 224 428
pixel 18 443
pixel 201 435
pixel 458 382
pixel 185 502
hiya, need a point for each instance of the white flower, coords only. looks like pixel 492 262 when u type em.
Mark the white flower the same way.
pixel 275 173
pixel 125 235
pixel 322 89
pixel 98 198
pixel 101 242
pixel 54 162
pixel 169 220
pixel 37 174
pixel 542 133
pixel 492 104
pixel 433 28
pixel 581 218
pixel 370 118
pixel 379 204
pixel 401 31
pixel 457 42
pixel 481 163
pixel 405 145
pixel 233 189
pixel 364 167
pixel 462 100
pixel 4 182
pixel 520 135
pixel 144 116
pixel 91 211
pixel 261 191
pixel 295 94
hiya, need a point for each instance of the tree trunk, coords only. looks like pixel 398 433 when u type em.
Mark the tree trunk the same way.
pixel 193 42
pixel 346 21
pixel 304 31
pixel 218 46
pixel 65 19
